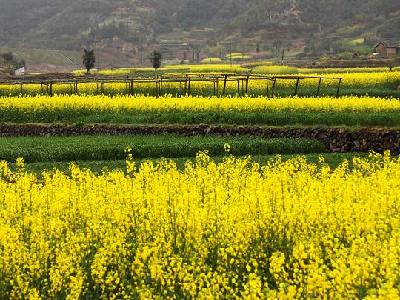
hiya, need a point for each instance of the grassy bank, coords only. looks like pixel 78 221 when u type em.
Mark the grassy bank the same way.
pixel 386 119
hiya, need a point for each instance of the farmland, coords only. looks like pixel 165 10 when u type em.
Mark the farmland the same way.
pixel 121 195
pixel 378 82
pixel 330 111
pixel 199 149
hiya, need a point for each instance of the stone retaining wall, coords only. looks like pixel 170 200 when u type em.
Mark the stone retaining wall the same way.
pixel 334 139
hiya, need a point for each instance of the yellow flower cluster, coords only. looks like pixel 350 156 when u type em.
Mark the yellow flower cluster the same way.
pixel 360 81
pixel 189 103
pixel 216 66
pixel 235 229
pixel 212 65
pixel 268 68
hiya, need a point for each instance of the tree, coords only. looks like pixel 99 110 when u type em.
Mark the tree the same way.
pixel 155 59
pixel 11 62
pixel 89 59
pixel 8 57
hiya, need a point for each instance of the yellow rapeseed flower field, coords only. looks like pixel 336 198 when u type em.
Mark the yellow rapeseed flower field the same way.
pixel 236 229
pixel 191 103
pixel 376 83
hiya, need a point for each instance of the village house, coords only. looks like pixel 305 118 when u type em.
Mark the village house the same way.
pixel 387 51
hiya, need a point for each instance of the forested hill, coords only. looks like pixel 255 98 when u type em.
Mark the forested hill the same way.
pixel 60 24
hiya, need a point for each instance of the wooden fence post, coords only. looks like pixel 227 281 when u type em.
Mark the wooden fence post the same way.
pixel 185 86
pixel 319 86
pixel 157 88
pixel 215 87
pixel 338 88
pixel 225 80
pixel 297 86
pixel 273 88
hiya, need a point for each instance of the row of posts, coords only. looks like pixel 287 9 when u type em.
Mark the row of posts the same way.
pixel 185 86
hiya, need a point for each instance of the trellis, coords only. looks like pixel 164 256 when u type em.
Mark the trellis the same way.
pixel 185 81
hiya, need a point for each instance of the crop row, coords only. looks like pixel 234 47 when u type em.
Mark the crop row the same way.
pixel 352 111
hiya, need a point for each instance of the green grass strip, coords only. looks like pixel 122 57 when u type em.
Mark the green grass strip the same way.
pixel 268 118
pixel 332 159
pixel 95 148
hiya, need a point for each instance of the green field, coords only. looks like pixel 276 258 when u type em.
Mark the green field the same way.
pixel 102 148
pixel 284 117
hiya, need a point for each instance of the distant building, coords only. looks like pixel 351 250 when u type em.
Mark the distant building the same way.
pixel 19 71
pixel 384 50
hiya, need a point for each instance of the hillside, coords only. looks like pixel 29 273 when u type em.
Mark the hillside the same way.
pixel 133 27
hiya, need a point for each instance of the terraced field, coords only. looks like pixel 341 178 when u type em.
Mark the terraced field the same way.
pixel 133 196
pixel 360 83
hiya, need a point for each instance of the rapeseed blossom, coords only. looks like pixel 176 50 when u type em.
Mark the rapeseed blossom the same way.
pixel 235 229
pixel 32 105
pixel 363 83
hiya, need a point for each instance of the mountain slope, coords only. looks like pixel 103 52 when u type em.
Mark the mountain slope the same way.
pixel 129 25
pixel 64 24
